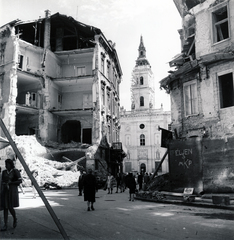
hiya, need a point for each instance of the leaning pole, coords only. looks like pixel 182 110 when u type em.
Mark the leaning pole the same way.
pixel 41 194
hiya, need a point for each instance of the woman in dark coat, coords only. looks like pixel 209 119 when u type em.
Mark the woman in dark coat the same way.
pixel 90 187
pixel 9 194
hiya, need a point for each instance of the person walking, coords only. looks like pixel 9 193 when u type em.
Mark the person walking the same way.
pixel 90 188
pixel 140 180
pixel 132 186
pixel 80 182
pixel 118 183
pixel 11 179
pixel 110 183
pixel 146 180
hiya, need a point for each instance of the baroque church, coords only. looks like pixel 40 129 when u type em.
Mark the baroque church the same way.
pixel 140 134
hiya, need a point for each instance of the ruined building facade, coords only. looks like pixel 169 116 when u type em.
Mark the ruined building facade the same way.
pixel 139 133
pixel 59 79
pixel 201 87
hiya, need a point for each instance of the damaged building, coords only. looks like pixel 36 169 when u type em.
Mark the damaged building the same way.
pixel 202 98
pixel 59 80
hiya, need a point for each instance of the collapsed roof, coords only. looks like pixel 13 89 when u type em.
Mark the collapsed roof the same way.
pixel 75 34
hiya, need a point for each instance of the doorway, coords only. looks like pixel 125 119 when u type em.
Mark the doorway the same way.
pixel 71 131
pixel 143 168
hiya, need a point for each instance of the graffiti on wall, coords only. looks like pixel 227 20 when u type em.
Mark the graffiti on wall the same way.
pixel 185 161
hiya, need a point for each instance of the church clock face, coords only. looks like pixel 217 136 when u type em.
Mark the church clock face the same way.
pixel 142 126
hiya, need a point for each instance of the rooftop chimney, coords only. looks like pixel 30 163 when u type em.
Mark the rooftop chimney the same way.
pixel 47 30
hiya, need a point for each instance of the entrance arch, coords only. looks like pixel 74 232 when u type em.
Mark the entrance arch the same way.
pixel 143 168
pixel 71 131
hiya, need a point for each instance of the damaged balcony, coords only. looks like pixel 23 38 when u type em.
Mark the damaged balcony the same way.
pixel 29 87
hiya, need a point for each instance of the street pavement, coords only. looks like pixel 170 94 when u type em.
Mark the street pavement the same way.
pixel 115 217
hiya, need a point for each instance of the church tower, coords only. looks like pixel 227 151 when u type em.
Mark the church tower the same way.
pixel 142 86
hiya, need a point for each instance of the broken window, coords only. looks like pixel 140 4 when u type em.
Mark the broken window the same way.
pixel 141 101
pixel 190 98
pixel 226 90
pixel 81 71
pixel 220 24
pixel 142 140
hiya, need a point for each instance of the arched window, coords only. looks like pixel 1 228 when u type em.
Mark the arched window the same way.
pixel 141 101
pixel 141 80
pixel 142 140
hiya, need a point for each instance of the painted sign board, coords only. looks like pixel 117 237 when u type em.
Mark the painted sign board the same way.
pixel 185 164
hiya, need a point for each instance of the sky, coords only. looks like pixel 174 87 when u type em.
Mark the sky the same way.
pixel 123 22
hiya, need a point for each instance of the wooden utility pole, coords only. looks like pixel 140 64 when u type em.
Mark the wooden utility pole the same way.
pixel 27 170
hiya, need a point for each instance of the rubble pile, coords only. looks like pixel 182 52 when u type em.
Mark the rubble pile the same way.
pixel 153 188
pixel 50 172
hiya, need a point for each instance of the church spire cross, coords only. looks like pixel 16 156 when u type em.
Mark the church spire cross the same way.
pixel 141 60
pixel 141 49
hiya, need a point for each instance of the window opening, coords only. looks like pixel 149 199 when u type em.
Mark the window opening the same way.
pixel 141 80
pixel 81 71
pixel 190 98
pixel 20 61
pixel 226 90
pixel 102 66
pixel 141 101
pixel 220 23
pixel 59 98
pixel 142 140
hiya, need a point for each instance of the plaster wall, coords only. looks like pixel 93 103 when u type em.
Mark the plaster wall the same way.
pixel 47 126
pixel 52 64
pixel 70 64
pixel 52 99
pixel 73 96
pixel 32 57
pixel 176 103
pixel 204 32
